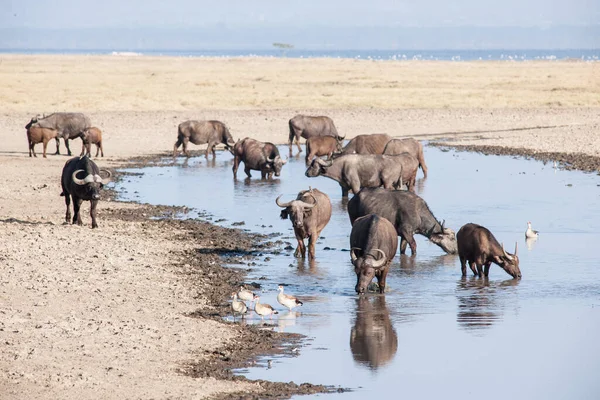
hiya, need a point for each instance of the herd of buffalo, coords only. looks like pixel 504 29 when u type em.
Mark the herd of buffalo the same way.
pixel 374 167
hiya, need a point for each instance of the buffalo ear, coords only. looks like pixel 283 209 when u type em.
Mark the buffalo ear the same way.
pixel 499 260
pixel 284 214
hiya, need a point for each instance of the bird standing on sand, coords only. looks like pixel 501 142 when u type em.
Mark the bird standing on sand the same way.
pixel 263 309
pixel 530 233
pixel 286 300
pixel 237 306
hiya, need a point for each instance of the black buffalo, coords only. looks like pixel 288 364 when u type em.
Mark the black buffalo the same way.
pixel 81 180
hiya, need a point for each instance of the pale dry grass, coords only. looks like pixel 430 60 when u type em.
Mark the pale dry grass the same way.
pixel 46 83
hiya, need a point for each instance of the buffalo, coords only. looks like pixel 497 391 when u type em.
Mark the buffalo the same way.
pixel 36 134
pixel 306 126
pixel 373 339
pixel 202 132
pixel 407 212
pixel 479 247
pixel 354 171
pixel 258 156
pixel 373 245
pixel 91 136
pixel 317 146
pixel 81 180
pixel 309 213
pixel 409 145
pixel 367 144
pixel 67 125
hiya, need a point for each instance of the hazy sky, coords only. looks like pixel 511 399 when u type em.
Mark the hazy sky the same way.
pixel 270 13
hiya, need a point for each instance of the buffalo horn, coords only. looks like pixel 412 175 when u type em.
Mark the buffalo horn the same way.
pixel 353 254
pixel 443 222
pixel 270 160
pixel 381 262
pixel 341 138
pixel 282 205
pixel 77 180
pixel 508 256
pixel 309 205
pixel 516 248
pixel 107 172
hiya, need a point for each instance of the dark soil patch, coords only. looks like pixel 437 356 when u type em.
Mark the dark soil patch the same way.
pixel 568 161
pixel 203 270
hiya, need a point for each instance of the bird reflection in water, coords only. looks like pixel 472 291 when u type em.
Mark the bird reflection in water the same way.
pixel 373 339
pixel 480 302
pixel 530 242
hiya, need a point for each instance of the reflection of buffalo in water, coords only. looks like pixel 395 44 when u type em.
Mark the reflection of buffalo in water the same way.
pixel 479 303
pixel 373 339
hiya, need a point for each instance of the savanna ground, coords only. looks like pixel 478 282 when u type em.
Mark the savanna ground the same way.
pixel 110 312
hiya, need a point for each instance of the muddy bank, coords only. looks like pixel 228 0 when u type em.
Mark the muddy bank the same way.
pixel 568 161
pixel 203 271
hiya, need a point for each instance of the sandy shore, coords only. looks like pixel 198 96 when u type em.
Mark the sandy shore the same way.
pixel 103 313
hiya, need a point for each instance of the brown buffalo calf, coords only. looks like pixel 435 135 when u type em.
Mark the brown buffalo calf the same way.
pixel 91 136
pixel 36 134
pixel 317 146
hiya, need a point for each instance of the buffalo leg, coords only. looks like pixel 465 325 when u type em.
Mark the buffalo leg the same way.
pixel 68 203
pixel 486 269
pixel 312 240
pixel 473 267
pixel 236 164
pixel 479 268
pixel 301 249
pixel 57 146
pixel 76 207
pixel 82 149
pixel 32 149
pixel 247 171
pixel 403 244
pixel 344 191
pixel 176 146
pixel 93 205
pixel 411 242
pixel 67 146
pixel 298 144
pixel 45 146
pixel 186 141
pixel 463 265
pixel 99 146
pixel 211 149
pixel 381 279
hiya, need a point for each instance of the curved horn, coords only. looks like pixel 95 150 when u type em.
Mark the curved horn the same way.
pixel 508 256
pixel 107 172
pixel 282 205
pixel 516 248
pixel 381 262
pixel 353 255
pixel 340 138
pixel 443 222
pixel 77 180
pixel 309 205
pixel 270 160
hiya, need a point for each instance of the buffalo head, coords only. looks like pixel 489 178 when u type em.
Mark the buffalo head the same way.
pixel 365 266
pixel 296 210
pixel 92 183
pixel 318 167
pixel 276 164
pixel 509 262
pixel 446 239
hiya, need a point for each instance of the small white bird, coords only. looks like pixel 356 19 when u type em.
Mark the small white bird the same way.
pixel 287 300
pixel 237 306
pixel 245 294
pixel 530 233
pixel 263 309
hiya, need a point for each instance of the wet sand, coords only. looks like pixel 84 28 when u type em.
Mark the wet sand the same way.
pixel 110 312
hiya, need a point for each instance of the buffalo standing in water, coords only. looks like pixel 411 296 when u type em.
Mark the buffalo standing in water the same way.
pixel 306 126
pixel 258 156
pixel 201 132
pixel 367 144
pixel 479 247
pixel 67 125
pixel 410 146
pixel 81 180
pixel 373 245
pixel 407 212
pixel 309 213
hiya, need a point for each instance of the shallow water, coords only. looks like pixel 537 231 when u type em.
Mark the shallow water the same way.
pixel 434 333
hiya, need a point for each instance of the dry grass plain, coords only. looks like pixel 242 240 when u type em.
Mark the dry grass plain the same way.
pixel 108 322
